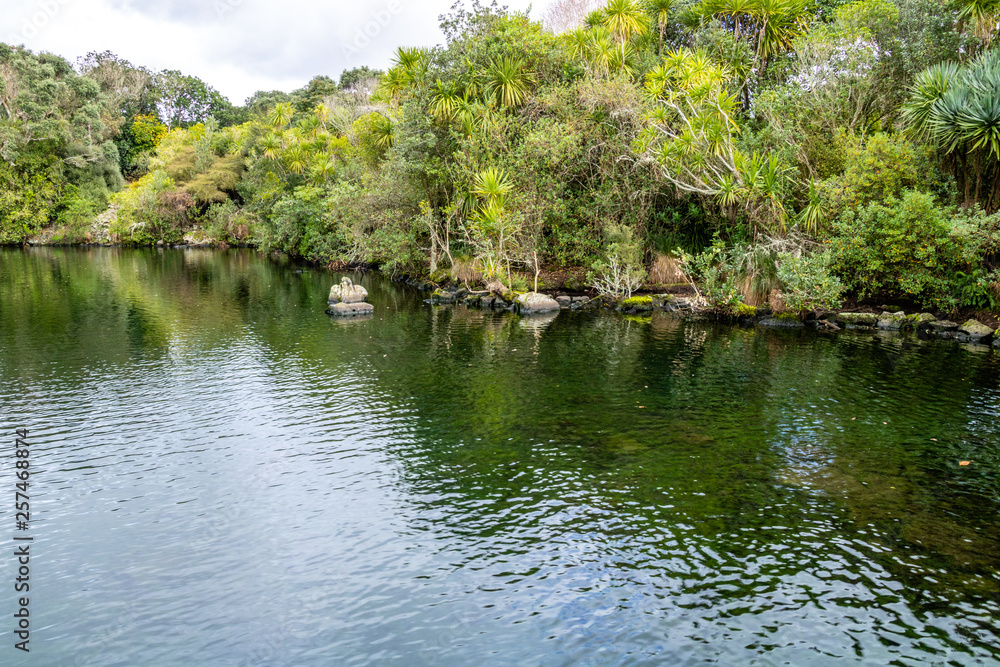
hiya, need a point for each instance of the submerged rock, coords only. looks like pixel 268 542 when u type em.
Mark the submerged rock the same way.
pixel 350 309
pixel 443 296
pixel 534 302
pixel 637 304
pixel 347 292
pixel 857 320
pixel 788 320
pixel 941 326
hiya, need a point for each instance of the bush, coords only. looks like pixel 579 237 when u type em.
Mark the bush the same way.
pixel 882 166
pixel 807 282
pixel 718 279
pixel 621 271
pixel 150 210
pixel 907 248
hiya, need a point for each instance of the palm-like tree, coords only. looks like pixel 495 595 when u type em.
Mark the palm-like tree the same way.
pixel 446 100
pixel 770 24
pixel 409 70
pixel 625 20
pixel 958 108
pixel 984 15
pixel 507 81
pixel 323 169
pixel 603 54
pixel 661 11
pixel 383 132
pixel 780 21
pixel 310 126
pixel 492 225
pixel 296 159
pixel 413 62
pixel 492 185
pixel 578 41
pixel 270 145
pixel 281 115
pixel 928 87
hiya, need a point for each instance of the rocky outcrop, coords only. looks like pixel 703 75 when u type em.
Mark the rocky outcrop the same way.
pixel 347 292
pixel 534 302
pixel 942 326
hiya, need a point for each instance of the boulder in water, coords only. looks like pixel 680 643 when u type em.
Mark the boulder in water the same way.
pixel 534 302
pixel 347 292
pixel 350 309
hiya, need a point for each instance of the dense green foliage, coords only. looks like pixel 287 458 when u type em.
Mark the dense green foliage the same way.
pixel 639 133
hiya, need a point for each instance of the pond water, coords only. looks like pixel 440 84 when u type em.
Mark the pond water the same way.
pixel 223 475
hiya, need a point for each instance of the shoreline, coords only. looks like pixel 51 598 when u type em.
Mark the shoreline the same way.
pixel 967 330
pixel 964 329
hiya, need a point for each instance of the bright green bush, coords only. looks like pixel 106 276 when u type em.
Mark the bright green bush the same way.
pixel 717 276
pixel 907 248
pixel 150 210
pixel 26 203
pixel 881 166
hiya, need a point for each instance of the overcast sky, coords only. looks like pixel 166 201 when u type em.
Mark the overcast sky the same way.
pixel 236 46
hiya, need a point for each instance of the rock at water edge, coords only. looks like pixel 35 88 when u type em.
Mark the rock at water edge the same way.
pixel 533 302
pixel 975 330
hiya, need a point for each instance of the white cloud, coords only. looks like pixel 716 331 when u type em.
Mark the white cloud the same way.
pixel 236 46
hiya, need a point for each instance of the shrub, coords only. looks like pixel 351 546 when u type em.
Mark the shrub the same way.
pixel 904 248
pixel 621 271
pixel 807 282
pixel 717 278
pixel 149 210
pixel 881 166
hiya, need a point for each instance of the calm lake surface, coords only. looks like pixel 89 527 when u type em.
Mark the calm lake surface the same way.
pixel 224 475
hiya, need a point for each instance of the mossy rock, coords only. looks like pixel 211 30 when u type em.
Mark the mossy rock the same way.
pixel 921 320
pixel 856 320
pixel 637 303
pixel 744 310
pixel 441 296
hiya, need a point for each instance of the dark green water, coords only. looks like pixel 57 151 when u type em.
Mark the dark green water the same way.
pixel 223 475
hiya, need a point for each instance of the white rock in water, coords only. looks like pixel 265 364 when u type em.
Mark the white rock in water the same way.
pixel 533 302
pixel 350 309
pixel 347 292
